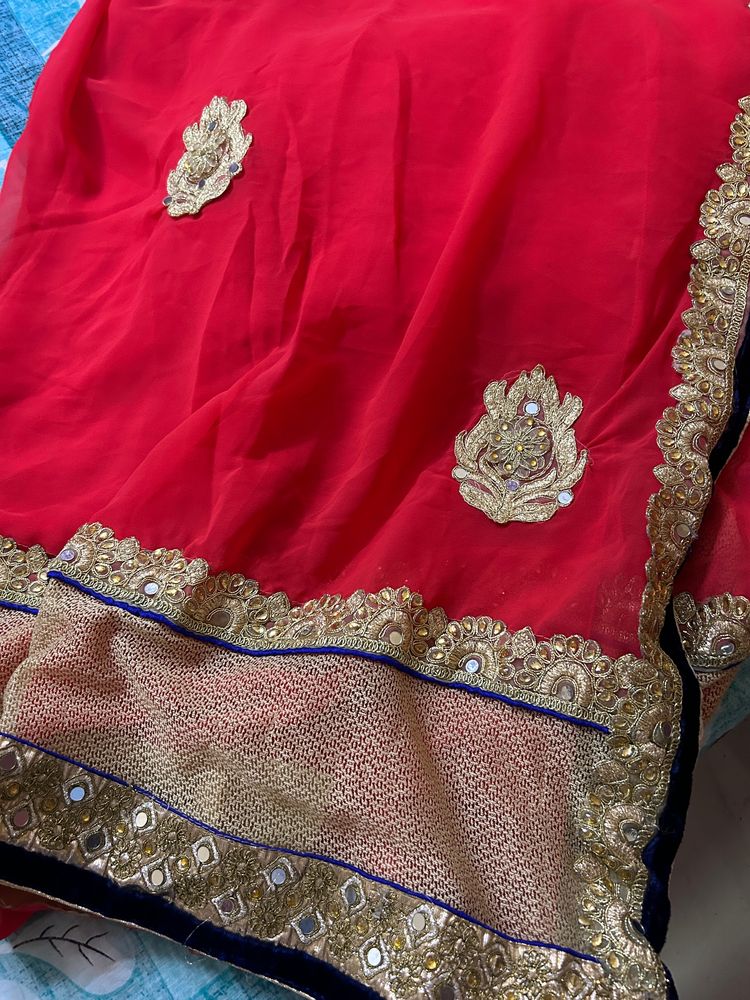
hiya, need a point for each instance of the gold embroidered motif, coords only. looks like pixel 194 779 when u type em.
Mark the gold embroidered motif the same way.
pixel 568 674
pixel 715 634
pixel 625 796
pixel 403 947
pixel 215 148
pixel 520 460
pixel 22 573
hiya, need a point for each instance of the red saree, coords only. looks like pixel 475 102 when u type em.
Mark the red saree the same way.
pixel 413 340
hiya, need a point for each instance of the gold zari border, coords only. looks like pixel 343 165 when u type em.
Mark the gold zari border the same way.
pixel 23 574
pixel 686 434
pixel 402 946
pixel 618 817
pixel 567 674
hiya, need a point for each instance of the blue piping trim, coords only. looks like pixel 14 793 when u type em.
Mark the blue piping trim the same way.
pixel 307 650
pixel 19 607
pixel 302 854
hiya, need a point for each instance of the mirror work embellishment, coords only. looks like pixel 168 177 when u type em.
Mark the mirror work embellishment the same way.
pixel 570 675
pixel 23 574
pixel 715 634
pixel 401 946
pixel 520 461
pixel 214 149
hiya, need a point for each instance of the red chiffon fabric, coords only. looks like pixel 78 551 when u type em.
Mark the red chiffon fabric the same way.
pixel 439 194
pixel 719 559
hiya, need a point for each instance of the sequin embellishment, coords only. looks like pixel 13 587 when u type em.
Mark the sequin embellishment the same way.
pixel 401 946
pixel 520 460
pixel 214 149
pixel 23 574
pixel 715 634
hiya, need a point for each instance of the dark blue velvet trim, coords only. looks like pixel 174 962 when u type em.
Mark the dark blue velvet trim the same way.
pixel 660 851
pixel 318 650
pixel 740 409
pixel 12 606
pixel 80 887
pixel 302 854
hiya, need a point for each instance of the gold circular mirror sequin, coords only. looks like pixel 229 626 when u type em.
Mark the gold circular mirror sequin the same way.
pixel 520 461
pixel 715 634
pixel 214 149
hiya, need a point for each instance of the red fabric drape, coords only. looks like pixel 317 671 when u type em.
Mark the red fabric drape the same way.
pixel 439 194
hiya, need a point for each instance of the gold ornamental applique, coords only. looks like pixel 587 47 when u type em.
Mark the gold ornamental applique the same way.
pixel 214 149
pixel 521 461
pixel 715 634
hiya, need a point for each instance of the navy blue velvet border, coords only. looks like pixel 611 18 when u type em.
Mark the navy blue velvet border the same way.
pixel 155 616
pixel 80 887
pixel 660 852
pixel 310 855
pixel 740 409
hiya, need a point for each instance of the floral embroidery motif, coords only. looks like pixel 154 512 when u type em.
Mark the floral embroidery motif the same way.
pixel 704 358
pixel 715 634
pixel 403 947
pixel 520 460
pixel 215 148
pixel 624 796
pixel 23 573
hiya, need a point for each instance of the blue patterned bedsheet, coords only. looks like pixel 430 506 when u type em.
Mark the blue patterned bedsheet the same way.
pixel 73 956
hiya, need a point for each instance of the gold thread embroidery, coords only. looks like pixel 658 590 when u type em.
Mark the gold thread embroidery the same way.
pixel 568 674
pixel 715 634
pixel 643 746
pixel 630 696
pixel 215 147
pixel 23 573
pixel 686 434
pixel 403 947
pixel 633 698
pixel 520 461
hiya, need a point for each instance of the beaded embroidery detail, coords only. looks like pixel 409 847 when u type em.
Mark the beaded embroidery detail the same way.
pixel 23 573
pixel 402 946
pixel 628 698
pixel 568 674
pixel 715 634
pixel 214 149
pixel 686 434
pixel 520 460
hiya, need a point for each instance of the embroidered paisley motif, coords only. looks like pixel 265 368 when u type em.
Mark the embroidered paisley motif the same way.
pixel 23 574
pixel 520 460
pixel 715 634
pixel 214 149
